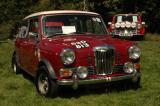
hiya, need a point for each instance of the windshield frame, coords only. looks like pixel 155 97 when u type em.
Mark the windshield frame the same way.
pixel 104 28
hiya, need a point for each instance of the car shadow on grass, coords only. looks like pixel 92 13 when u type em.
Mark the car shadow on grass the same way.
pixel 27 76
pixel 96 89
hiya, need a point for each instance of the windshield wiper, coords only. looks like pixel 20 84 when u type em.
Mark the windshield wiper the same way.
pixel 84 33
pixel 56 34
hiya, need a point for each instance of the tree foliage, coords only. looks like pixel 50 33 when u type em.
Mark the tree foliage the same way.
pixel 12 11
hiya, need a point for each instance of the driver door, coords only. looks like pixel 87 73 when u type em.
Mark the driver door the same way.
pixel 32 46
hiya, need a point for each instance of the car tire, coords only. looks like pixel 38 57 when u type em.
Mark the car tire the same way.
pixel 45 85
pixel 15 66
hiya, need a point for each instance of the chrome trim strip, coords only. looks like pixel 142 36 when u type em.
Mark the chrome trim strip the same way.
pixel 99 80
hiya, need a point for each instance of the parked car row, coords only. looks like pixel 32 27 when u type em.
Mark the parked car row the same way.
pixel 74 48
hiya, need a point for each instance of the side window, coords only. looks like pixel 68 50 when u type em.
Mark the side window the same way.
pixel 23 30
pixel 33 28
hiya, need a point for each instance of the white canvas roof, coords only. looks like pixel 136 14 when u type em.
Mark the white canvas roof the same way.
pixel 59 12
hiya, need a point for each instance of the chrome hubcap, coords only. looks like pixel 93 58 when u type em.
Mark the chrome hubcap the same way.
pixel 14 68
pixel 43 84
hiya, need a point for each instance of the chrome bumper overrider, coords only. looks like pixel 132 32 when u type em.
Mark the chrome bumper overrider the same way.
pixel 75 82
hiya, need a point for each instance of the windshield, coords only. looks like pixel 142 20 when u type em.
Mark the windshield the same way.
pixel 69 24
pixel 129 18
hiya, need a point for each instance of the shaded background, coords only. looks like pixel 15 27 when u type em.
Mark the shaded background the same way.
pixel 13 11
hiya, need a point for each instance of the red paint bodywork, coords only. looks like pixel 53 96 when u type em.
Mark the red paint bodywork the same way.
pixel 50 49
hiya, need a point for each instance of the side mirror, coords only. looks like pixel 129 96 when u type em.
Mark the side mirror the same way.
pixel 109 23
pixel 33 35
pixel 143 23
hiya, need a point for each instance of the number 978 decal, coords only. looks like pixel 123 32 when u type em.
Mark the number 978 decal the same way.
pixel 80 44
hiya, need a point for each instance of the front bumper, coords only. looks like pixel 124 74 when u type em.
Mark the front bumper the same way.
pixel 126 36
pixel 74 82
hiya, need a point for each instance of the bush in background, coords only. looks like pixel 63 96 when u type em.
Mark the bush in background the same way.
pixel 13 11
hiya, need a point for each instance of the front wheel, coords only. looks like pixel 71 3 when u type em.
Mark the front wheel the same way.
pixel 45 86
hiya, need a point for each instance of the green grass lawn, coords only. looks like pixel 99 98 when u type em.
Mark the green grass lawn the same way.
pixel 17 90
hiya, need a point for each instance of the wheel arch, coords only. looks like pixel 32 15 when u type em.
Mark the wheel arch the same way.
pixel 51 71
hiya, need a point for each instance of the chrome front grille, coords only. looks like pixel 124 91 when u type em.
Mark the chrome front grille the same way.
pixel 104 59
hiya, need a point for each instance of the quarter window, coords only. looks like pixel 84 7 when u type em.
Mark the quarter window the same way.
pixel 33 28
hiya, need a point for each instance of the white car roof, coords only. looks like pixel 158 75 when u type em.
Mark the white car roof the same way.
pixel 59 12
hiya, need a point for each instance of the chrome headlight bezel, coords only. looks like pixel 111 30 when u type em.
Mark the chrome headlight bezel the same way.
pixel 134 52
pixel 67 56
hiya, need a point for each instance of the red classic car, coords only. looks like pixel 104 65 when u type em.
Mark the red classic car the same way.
pixel 127 26
pixel 72 48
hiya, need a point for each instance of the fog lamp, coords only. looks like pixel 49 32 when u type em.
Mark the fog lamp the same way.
pixel 128 67
pixel 126 32
pixel 82 72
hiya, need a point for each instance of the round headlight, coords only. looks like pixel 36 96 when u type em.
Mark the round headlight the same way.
pixel 134 52
pixel 133 25
pixel 128 68
pixel 128 24
pixel 67 56
pixel 82 72
pixel 117 25
pixel 123 25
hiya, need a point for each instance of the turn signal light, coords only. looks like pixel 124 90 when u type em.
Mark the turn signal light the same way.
pixel 64 73
pixel 137 67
